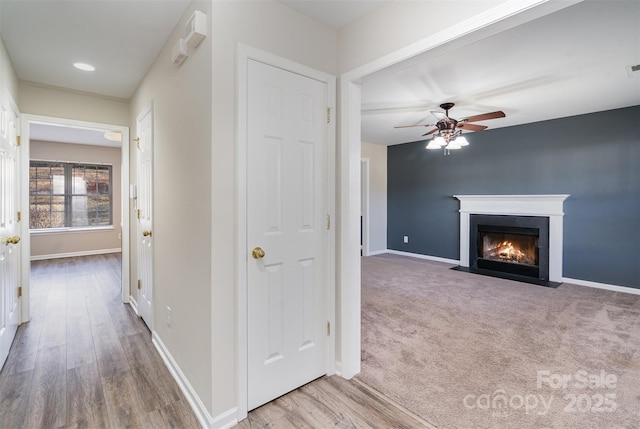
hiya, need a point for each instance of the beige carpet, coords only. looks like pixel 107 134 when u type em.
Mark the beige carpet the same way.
pixel 465 351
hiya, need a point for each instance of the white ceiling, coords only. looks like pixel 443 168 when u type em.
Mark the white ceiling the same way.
pixel 120 38
pixel 334 13
pixel 570 62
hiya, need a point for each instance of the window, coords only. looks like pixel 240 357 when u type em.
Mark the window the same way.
pixel 69 195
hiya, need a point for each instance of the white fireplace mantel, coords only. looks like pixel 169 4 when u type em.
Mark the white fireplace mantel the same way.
pixel 550 206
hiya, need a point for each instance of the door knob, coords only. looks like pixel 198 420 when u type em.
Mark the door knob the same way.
pixel 13 240
pixel 147 233
pixel 258 253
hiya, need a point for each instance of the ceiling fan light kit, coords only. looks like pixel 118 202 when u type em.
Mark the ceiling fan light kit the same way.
pixel 449 131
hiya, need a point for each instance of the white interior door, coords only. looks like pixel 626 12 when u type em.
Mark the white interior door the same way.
pixel 9 230
pixel 286 231
pixel 145 215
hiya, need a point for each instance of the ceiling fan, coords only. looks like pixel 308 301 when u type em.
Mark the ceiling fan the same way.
pixel 449 130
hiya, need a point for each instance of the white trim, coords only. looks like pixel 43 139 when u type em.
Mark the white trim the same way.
pixel 427 257
pixel 75 254
pixel 73 230
pixel 124 199
pixel 244 54
pixel 365 169
pixel 350 276
pixel 379 252
pixel 134 305
pixel 203 416
pixel 226 419
pixel 614 288
pixel 504 16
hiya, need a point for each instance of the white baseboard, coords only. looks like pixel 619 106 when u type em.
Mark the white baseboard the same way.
pixel 378 252
pixel 225 420
pixel 427 257
pixel 338 368
pixel 605 286
pixel 134 304
pixel 75 254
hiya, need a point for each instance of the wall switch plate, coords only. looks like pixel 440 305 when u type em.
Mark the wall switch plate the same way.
pixel 406 238
pixel 168 316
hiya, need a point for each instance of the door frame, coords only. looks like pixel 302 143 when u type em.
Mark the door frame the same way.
pixel 246 53
pixel 27 119
pixel 146 109
pixel 365 168
pixel 500 18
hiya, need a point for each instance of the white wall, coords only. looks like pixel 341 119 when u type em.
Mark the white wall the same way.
pixel 45 244
pixel 181 98
pixel 48 101
pixel 377 156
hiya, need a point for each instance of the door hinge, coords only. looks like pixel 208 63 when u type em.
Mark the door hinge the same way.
pixel 19 216
pixel 138 213
pixel 328 115
pixel 18 141
pixel 139 284
pixel 19 291
pixel 328 221
pixel 137 140
pixel 328 329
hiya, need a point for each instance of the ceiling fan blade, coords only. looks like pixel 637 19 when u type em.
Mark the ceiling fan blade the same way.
pixel 430 132
pixel 471 127
pixel 411 126
pixel 484 116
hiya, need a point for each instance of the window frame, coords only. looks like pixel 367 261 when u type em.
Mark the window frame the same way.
pixel 69 167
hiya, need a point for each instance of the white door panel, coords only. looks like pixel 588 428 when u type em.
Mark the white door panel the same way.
pixel 286 205
pixel 145 216
pixel 9 230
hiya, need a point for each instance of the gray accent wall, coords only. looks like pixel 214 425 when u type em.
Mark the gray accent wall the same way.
pixel 595 158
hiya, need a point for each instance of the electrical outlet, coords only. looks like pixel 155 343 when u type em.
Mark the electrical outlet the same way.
pixel 168 316
pixel 406 238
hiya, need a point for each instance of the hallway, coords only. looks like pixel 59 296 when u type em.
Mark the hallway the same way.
pixel 85 359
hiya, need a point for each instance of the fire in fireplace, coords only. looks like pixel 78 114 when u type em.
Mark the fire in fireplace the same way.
pixel 510 245
pixel 513 248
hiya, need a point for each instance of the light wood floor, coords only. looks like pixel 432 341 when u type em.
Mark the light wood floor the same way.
pixel 86 361
pixel 332 402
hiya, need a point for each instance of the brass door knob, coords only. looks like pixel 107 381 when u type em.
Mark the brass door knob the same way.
pixel 13 240
pixel 147 233
pixel 258 253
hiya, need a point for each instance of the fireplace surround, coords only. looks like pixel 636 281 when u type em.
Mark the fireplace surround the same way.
pixel 523 235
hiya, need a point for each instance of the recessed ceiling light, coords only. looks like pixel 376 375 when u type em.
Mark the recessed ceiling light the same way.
pixel 83 66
